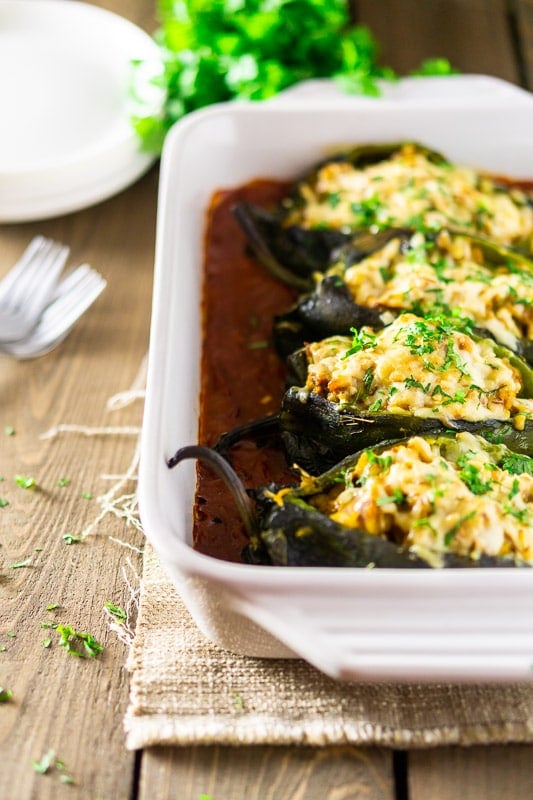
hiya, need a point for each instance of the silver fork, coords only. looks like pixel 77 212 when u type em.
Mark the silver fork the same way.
pixel 29 286
pixel 72 298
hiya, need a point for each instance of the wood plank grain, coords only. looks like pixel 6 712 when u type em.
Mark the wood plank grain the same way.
pixel 71 705
pixel 267 773
pixel 475 35
pixel 523 10
pixel 491 773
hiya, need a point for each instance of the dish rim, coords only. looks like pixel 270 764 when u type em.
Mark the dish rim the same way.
pixel 225 571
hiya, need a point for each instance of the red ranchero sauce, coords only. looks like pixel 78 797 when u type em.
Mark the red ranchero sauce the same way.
pixel 242 376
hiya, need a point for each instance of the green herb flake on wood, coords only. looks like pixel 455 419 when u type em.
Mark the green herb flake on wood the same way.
pixel 5 695
pixel 116 611
pixel 25 481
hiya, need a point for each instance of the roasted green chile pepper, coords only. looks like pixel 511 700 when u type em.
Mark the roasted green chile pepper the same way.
pixel 409 378
pixel 448 272
pixel 291 526
pixel 304 234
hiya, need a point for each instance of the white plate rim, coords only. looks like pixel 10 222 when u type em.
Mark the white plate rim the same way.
pixel 81 177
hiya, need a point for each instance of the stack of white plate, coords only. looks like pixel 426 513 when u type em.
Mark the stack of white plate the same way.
pixel 66 137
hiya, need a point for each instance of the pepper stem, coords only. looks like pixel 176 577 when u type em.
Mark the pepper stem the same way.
pixel 224 470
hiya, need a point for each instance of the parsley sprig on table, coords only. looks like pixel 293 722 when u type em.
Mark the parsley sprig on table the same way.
pixel 76 643
pixel 219 50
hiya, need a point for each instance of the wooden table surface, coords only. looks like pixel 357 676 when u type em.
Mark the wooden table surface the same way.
pixel 75 706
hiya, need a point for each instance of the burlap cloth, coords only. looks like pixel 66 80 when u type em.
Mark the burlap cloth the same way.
pixel 185 690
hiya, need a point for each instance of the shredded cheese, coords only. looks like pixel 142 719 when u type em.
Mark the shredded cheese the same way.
pixel 408 188
pixel 413 494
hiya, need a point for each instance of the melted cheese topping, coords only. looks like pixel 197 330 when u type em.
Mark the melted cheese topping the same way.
pixel 408 189
pixel 412 494
pixel 421 367
pixel 447 275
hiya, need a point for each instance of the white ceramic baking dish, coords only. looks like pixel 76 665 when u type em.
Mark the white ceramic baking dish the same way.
pixel 352 624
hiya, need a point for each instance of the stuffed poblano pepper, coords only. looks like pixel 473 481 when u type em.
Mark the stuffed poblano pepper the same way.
pixel 446 273
pixel 376 188
pixel 444 501
pixel 417 375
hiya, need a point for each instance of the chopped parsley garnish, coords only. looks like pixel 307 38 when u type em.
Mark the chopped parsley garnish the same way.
pixel 412 383
pixel 19 564
pixel 517 464
pixel 423 336
pixel 520 514
pixel 63 481
pixel 470 475
pixel 383 462
pixel 43 765
pixel 334 199
pixel 77 643
pixel 397 497
pixel 25 481
pixel 366 211
pixel 424 522
pixel 5 695
pixel 458 397
pixel 515 488
pixel 49 762
pixel 69 538
pixel 452 532
pixel 117 612
pixel 3 502
pixel 368 380
pixel 362 340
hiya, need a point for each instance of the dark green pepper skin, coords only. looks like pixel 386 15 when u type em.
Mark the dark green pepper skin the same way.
pixel 291 532
pixel 327 311
pixel 317 433
pixel 325 543
pixel 367 154
pixel 294 255
pixel 291 254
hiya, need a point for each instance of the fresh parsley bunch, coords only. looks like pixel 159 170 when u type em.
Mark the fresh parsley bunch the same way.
pixel 217 50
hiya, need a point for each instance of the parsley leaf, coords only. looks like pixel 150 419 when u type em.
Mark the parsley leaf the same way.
pixel 43 765
pixel 115 611
pixel 77 643
pixel 517 464
pixel 25 481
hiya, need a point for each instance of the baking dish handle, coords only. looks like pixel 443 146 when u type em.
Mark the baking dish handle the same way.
pixel 350 649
